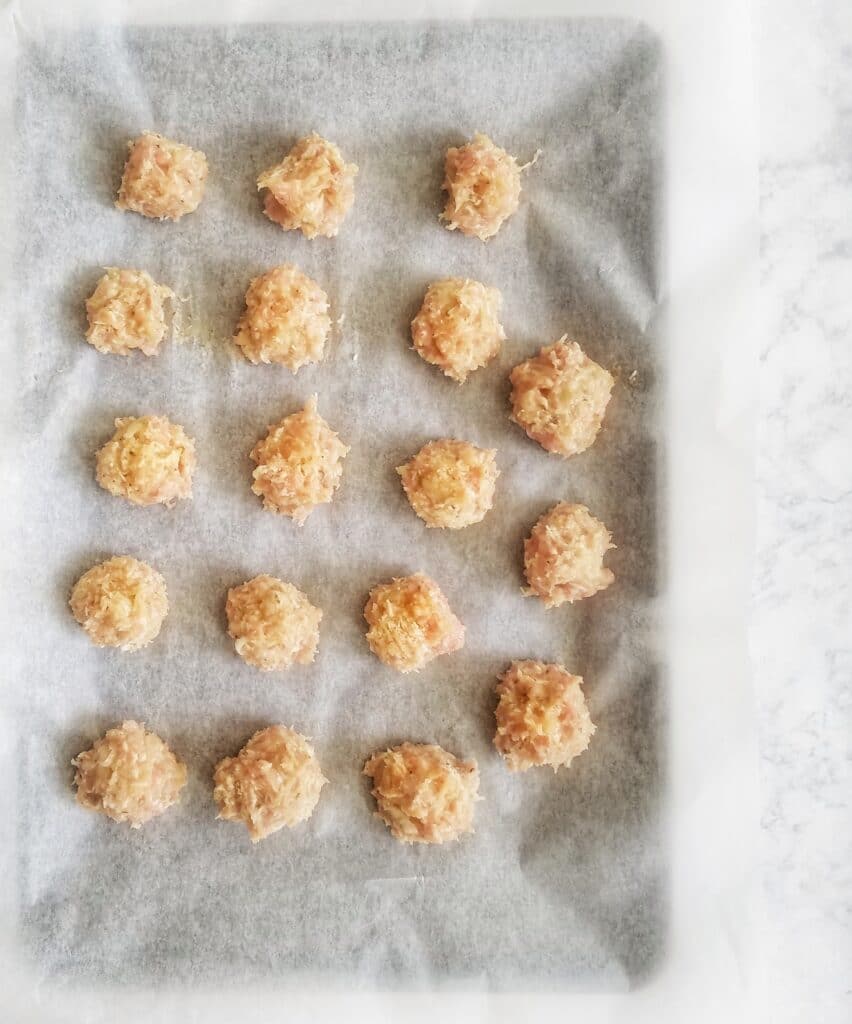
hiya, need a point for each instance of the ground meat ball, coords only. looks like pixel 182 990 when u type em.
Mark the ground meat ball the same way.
pixel 458 327
pixel 273 624
pixel 542 716
pixel 129 775
pixel 484 186
pixel 450 483
pixel 274 781
pixel 285 320
pixel 299 464
pixel 311 190
pixel 423 793
pixel 126 311
pixel 162 179
pixel 559 397
pixel 563 555
pixel 120 603
pixel 411 623
pixel 149 461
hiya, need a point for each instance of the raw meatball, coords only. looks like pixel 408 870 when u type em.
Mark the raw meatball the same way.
pixel 559 397
pixel 484 186
pixel 149 461
pixel 411 623
pixel 563 555
pixel 542 716
pixel 423 793
pixel 311 190
pixel 162 179
pixel 299 464
pixel 286 319
pixel 458 327
pixel 274 781
pixel 450 483
pixel 273 624
pixel 126 311
pixel 120 603
pixel 129 775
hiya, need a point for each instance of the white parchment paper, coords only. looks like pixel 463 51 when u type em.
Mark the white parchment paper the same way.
pixel 566 885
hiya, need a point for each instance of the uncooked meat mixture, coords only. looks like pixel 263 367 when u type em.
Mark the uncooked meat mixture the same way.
pixel 542 718
pixel 411 623
pixel 130 775
pixel 450 483
pixel 299 464
pixel 423 793
pixel 126 311
pixel 273 625
pixel 564 553
pixel 286 319
pixel 120 603
pixel 273 782
pixel 162 179
pixel 458 327
pixel 149 461
pixel 311 190
pixel 559 397
pixel 483 183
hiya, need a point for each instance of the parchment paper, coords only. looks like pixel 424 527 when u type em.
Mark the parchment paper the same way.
pixel 563 882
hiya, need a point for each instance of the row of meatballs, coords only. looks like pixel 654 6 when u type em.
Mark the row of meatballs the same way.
pixel 423 793
pixel 312 188
pixel 123 602
pixel 559 396
pixel 450 484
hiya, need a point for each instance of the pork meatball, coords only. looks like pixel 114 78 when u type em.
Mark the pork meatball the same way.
pixel 162 179
pixel 129 775
pixel 311 190
pixel 120 603
pixel 274 781
pixel 450 483
pixel 273 625
pixel 299 464
pixel 423 793
pixel 542 716
pixel 126 311
pixel 411 623
pixel 563 555
pixel 458 327
pixel 148 461
pixel 559 397
pixel 483 184
pixel 286 319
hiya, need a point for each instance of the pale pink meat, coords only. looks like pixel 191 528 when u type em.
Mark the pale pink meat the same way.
pixel 559 397
pixel 458 326
pixel 450 484
pixel 311 190
pixel 130 775
pixel 411 623
pixel 120 603
pixel 162 179
pixel 286 319
pixel 299 464
pixel 423 793
pixel 542 718
pixel 127 312
pixel 274 782
pixel 564 553
pixel 149 461
pixel 483 183
pixel 272 623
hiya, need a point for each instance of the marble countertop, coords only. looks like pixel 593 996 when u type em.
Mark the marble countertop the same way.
pixel 802 621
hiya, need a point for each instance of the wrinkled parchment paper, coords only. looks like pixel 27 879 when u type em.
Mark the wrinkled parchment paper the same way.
pixel 564 885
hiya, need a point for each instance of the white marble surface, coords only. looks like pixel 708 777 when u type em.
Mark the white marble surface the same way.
pixel 802 633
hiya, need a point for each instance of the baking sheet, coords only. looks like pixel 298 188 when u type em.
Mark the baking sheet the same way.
pixel 563 883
